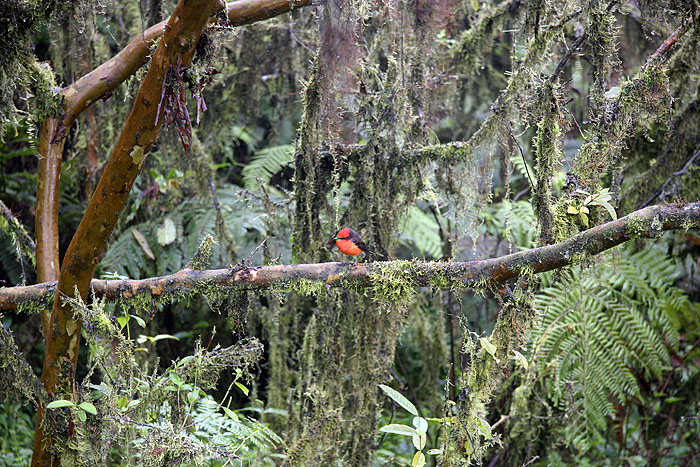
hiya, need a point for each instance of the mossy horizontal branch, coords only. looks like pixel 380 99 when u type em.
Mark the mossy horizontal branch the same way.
pixel 648 222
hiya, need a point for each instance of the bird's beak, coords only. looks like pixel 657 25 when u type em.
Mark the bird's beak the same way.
pixel 331 242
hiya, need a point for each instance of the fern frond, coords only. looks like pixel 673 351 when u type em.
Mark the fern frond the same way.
pixel 265 164
pixel 599 329
pixel 421 230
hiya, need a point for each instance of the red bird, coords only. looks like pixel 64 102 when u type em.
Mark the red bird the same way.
pixel 349 242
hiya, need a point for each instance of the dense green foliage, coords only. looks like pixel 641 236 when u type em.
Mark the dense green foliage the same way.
pixel 343 114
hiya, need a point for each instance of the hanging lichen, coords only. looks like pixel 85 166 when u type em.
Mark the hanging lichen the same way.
pixel 548 156
pixel 469 434
pixel 602 42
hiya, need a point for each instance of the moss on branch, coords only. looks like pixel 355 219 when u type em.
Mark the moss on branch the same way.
pixel 389 281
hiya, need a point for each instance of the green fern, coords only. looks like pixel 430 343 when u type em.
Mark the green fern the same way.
pixel 421 231
pixel 265 164
pixel 523 168
pixel 240 434
pixel 599 330
pixel 194 219
pixel 519 221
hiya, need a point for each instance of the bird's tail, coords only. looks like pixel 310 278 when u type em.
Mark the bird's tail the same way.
pixel 374 253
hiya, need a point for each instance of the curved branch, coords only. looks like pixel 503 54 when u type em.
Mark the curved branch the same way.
pixel 105 78
pixel 175 51
pixel 649 222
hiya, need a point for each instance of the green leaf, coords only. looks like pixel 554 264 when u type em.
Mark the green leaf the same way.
pixel 139 321
pixel 60 403
pixel 184 360
pixel 167 232
pixel 584 219
pixel 88 407
pixel 282 412
pixel 420 423
pixel 133 403
pixel 161 337
pixel 418 460
pixel 608 207
pixel 175 379
pixel 123 321
pixel 419 440
pixel 399 399
pixel 435 452
pixel 242 388
pixel 572 209
pixel 399 429
pixel 484 427
pixel 230 414
pixel 192 396
pixel 489 347
pixel 81 415
pixel 520 358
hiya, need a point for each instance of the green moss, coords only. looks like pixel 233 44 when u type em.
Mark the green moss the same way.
pixel 525 270
pixel 31 307
pixel 18 21
pixel 441 280
pixel 579 258
pixel 305 287
pixel 602 41
pixel 548 156
pixel 47 97
pixel 17 379
pixel 636 225
pixel 393 282
pixel 202 257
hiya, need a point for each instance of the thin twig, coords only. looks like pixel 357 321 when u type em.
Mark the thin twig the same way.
pixel 567 56
pixel 522 154
pixel 668 180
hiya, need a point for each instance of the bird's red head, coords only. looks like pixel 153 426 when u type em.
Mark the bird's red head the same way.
pixel 343 233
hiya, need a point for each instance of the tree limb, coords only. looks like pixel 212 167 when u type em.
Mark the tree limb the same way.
pixel 46 218
pixel 648 222
pixel 105 78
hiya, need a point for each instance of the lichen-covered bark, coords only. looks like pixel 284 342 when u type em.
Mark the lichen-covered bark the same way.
pixel 548 156
pixel 647 92
pixel 139 133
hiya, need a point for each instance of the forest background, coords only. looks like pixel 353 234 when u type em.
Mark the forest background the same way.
pixel 225 147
